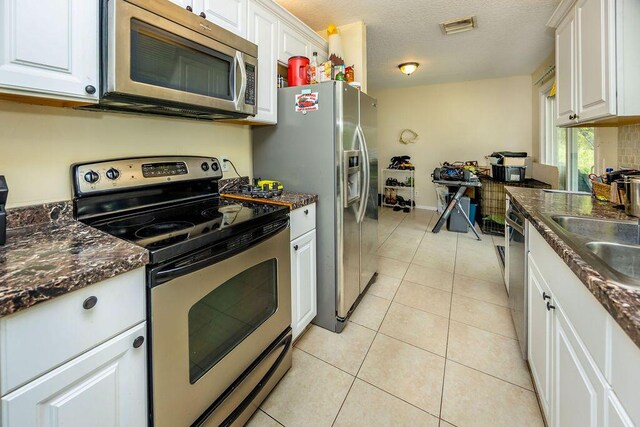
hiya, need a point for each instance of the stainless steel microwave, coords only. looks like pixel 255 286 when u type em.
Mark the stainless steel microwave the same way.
pixel 158 58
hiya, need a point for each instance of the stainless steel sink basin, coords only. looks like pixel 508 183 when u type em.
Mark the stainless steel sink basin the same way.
pixel 600 229
pixel 624 259
pixel 611 247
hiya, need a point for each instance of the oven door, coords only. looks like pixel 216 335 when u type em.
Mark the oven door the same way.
pixel 210 325
pixel 153 54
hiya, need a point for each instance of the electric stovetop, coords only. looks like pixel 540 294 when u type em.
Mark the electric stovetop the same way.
pixel 181 228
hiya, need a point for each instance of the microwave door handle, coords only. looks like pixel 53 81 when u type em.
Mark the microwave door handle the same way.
pixel 239 64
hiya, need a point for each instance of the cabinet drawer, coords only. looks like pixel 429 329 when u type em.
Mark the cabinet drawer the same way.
pixel 303 220
pixel 45 336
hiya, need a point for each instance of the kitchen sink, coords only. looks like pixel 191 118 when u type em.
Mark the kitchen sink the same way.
pixel 611 247
pixel 624 259
pixel 617 231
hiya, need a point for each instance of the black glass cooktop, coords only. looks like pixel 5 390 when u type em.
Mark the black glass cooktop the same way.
pixel 181 228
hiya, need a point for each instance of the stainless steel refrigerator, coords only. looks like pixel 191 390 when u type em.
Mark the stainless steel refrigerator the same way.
pixel 325 142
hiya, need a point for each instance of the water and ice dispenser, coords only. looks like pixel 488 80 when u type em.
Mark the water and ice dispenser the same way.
pixel 352 177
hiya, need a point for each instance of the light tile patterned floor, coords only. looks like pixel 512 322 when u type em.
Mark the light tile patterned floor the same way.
pixel 431 343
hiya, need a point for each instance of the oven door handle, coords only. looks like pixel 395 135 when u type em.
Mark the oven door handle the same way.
pixel 273 360
pixel 163 276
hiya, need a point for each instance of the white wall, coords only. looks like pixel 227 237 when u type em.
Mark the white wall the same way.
pixel 38 144
pixel 455 121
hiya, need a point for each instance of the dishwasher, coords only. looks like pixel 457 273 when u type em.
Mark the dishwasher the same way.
pixel 516 232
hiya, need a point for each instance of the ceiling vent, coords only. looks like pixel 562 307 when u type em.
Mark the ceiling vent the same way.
pixel 458 25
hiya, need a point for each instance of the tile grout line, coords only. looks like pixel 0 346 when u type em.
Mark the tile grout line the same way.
pixel 490 375
pixel 446 349
pixel 368 350
pixel 278 422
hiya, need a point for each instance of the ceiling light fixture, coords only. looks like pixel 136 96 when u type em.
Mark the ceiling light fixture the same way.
pixel 408 67
pixel 459 25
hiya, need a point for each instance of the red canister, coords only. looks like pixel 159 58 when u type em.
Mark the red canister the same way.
pixel 298 71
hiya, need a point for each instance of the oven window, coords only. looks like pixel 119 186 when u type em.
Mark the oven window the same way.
pixel 227 315
pixel 163 59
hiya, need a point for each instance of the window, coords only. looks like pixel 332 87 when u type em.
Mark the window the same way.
pixel 571 150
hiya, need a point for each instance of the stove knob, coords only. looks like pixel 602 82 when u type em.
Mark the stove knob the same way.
pixel 215 167
pixel 205 166
pixel 113 174
pixel 91 177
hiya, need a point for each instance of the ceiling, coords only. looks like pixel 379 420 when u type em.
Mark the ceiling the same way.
pixel 511 38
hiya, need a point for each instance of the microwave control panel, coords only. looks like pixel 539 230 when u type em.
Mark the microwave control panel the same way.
pixel 250 93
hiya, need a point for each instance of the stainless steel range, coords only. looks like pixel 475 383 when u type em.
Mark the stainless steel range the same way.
pixel 218 283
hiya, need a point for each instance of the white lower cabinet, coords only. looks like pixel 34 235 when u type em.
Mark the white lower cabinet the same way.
pixel 303 268
pixel 563 353
pixel 105 387
pixel 540 335
pixel 303 282
pixel 579 391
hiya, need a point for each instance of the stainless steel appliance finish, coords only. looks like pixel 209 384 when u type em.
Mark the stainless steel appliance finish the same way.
pixel 158 58
pixel 632 195
pixel 311 152
pixel 179 394
pixel 516 230
pixel 218 283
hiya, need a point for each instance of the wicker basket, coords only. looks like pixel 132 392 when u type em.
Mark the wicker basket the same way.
pixel 610 193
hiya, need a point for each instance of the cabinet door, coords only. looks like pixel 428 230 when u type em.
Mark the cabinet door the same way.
pixel 615 415
pixel 322 51
pixel 104 387
pixel 566 70
pixel 49 48
pixel 578 392
pixel 229 14
pixel 263 31
pixel 539 333
pixel 292 43
pixel 303 282
pixel 596 59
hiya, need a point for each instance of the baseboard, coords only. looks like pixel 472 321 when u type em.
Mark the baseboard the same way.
pixel 429 208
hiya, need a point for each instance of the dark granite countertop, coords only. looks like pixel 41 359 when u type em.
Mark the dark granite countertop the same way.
pixel 622 303
pixel 230 187
pixel 48 254
pixel 288 198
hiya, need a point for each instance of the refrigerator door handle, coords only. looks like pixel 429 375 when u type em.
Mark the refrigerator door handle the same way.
pixel 364 198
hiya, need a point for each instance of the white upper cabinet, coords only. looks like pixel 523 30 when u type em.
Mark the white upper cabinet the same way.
pixel 229 14
pixel 49 48
pixel 262 29
pixel 566 70
pixel 597 60
pixel 292 43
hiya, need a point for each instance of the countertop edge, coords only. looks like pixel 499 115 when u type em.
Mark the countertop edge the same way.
pixel 31 291
pixel 606 293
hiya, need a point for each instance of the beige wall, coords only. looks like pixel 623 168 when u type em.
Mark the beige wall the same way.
pixel 455 121
pixel 38 144
pixel 354 46
pixel 535 104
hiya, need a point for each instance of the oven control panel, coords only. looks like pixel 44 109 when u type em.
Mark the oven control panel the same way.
pixel 123 174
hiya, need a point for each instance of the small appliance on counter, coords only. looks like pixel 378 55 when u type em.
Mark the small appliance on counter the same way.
pixel 4 192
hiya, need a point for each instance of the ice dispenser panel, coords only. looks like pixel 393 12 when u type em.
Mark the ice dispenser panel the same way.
pixel 352 178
